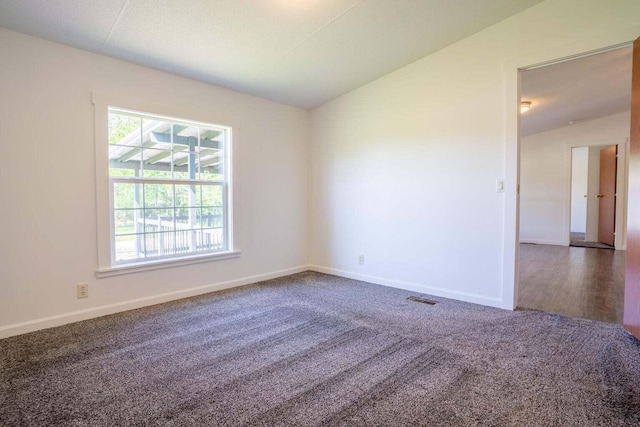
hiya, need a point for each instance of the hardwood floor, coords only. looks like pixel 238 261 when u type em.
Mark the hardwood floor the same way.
pixel 577 282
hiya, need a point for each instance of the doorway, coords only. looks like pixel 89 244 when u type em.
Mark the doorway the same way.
pixel 593 196
pixel 575 124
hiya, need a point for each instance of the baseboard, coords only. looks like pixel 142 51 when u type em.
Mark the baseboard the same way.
pixel 90 313
pixel 544 242
pixel 461 296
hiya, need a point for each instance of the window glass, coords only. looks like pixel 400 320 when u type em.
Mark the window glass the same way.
pixel 168 186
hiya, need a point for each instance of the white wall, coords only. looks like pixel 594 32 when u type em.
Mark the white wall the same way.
pixel 48 197
pixel 545 176
pixel 579 188
pixel 593 189
pixel 404 169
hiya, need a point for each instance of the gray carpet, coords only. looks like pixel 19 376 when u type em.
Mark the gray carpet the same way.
pixel 594 245
pixel 311 350
pixel 578 240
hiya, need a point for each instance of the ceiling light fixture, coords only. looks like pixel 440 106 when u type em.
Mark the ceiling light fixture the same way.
pixel 524 106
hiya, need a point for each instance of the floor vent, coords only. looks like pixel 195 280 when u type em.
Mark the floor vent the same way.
pixel 422 300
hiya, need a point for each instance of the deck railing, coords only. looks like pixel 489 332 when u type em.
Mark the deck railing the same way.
pixel 174 235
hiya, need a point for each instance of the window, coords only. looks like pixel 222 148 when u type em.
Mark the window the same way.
pixel 168 189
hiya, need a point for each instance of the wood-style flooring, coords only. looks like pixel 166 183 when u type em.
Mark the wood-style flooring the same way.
pixel 577 282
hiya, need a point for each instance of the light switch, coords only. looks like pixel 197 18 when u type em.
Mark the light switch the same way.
pixel 500 186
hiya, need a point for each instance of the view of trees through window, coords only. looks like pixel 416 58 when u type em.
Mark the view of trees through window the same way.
pixel 168 186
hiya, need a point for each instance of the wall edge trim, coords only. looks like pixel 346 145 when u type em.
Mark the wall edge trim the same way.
pixel 409 286
pixel 104 310
pixel 544 242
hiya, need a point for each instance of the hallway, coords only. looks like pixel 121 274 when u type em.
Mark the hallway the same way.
pixel 577 282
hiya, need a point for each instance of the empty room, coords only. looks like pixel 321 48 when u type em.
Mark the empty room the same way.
pixel 309 212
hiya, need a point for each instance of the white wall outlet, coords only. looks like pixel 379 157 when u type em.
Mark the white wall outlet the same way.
pixel 361 259
pixel 83 290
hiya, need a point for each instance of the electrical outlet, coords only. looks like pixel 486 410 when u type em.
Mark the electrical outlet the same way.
pixel 361 259
pixel 83 290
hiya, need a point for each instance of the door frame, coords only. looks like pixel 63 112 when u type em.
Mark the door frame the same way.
pixel 622 177
pixel 608 186
pixel 512 70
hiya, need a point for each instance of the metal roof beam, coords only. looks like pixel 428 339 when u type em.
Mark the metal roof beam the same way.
pixel 185 140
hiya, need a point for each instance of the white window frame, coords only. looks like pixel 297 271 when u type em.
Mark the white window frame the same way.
pixel 107 264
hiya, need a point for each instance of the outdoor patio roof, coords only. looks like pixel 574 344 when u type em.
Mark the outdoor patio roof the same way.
pixel 163 146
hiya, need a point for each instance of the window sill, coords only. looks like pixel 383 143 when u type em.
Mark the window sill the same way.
pixel 163 263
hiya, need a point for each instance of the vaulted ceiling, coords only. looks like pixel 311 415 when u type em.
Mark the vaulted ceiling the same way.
pixel 298 52
pixel 307 52
pixel 577 90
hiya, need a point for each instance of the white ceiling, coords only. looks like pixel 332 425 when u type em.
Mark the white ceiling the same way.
pixel 573 91
pixel 297 52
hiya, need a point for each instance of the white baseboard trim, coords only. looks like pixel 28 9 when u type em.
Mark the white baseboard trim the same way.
pixel 90 313
pixel 444 293
pixel 544 242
